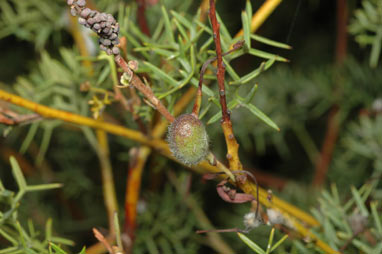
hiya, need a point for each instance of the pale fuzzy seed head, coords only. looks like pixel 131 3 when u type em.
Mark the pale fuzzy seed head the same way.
pixel 357 222
pixel 275 217
pixel 252 221
pixel 377 105
pixel 188 139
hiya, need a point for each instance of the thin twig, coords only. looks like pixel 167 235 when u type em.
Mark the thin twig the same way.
pixel 108 185
pixel 142 17
pixel 341 40
pixel 203 10
pixel 221 69
pixel 137 161
pixel 323 160
pixel 232 145
pixel 227 230
pixel 8 119
pixel 333 123
pixel 198 98
pixel 130 105
pixel 103 240
pixel 146 90
pixel 252 176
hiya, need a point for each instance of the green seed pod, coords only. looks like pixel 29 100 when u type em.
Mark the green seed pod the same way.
pixel 188 139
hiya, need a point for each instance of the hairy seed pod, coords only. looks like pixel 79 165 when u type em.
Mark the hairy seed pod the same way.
pixel 188 139
pixel 252 220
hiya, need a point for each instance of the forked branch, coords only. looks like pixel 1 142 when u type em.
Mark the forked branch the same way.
pixel 232 145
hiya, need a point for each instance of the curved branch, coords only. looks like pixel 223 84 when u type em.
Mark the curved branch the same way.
pixel 292 213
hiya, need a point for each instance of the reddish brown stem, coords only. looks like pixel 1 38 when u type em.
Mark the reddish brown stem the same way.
pixel 142 18
pixel 236 230
pixel 341 43
pixel 221 69
pixel 198 98
pixel 102 240
pixel 130 106
pixel 9 117
pixel 137 162
pixel 232 145
pixel 333 124
pixel 146 90
pixel 323 161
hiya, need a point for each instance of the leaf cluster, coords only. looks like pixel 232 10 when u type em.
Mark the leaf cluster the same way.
pixel 180 44
pixel 366 26
pixel 35 21
pixel 25 239
pixel 170 59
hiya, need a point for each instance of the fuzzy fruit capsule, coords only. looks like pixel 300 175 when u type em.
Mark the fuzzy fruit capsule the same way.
pixel 188 139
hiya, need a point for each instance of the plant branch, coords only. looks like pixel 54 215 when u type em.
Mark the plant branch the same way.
pixel 102 240
pixel 108 185
pixel 147 92
pixel 294 214
pixel 130 105
pixel 341 40
pixel 221 69
pixel 261 15
pixel 333 123
pixel 198 98
pixel 47 112
pixel 99 247
pixel 159 145
pixel 142 18
pixel 327 149
pixel 232 145
pixel 203 10
pixel 138 158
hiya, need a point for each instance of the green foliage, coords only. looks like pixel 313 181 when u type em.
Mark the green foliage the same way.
pixel 35 21
pixel 183 46
pixel 364 139
pixel 366 26
pixel 270 247
pixel 359 153
pixel 292 99
pixel 166 225
pixel 27 239
pixel 344 222
pixel 179 40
